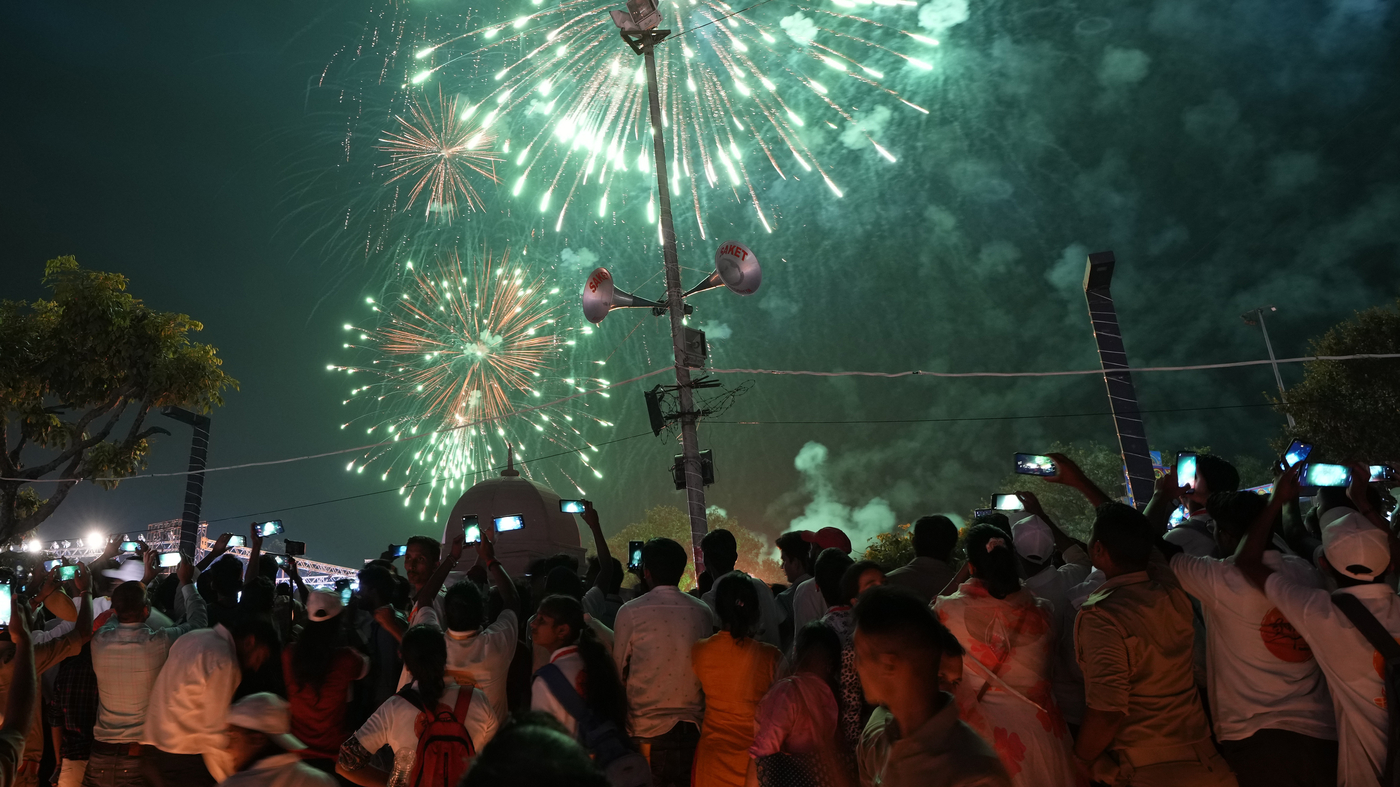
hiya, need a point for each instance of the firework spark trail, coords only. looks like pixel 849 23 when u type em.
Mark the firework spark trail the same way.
pixel 461 347
pixel 438 149
pixel 732 85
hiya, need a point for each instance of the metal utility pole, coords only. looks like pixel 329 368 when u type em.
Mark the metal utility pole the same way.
pixel 194 483
pixel 1122 398
pixel 643 42
pixel 1257 315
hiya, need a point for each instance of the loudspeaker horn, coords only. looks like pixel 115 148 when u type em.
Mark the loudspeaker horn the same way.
pixel 736 267
pixel 601 296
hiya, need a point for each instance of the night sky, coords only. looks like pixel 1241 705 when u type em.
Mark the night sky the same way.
pixel 1231 155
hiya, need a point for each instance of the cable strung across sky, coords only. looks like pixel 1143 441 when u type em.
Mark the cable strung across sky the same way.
pixel 782 372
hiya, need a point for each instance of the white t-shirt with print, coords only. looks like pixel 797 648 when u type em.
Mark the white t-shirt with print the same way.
pixel 1260 673
pixel 1353 668
pixel 482 658
pixel 393 724
pixel 570 663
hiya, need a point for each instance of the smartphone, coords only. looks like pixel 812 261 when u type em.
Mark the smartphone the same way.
pixel 506 523
pixel 345 596
pixel 237 541
pixel 169 559
pixel 1318 474
pixel 399 550
pixel 270 527
pixel 1186 470
pixel 1380 472
pixel 978 513
pixel 280 560
pixel 1007 502
pixel 294 548
pixel 1297 452
pixel 471 529
pixel 634 554
pixel 571 506
pixel 130 546
pixel 5 596
pixel 1035 464
pixel 49 564
pixel 67 572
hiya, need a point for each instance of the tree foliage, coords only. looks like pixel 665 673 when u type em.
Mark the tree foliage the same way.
pixel 79 374
pixel 1351 409
pixel 755 553
pixel 891 550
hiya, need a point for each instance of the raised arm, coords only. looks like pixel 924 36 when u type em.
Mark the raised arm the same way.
pixel 83 583
pixel 1069 474
pixel 220 547
pixel 1063 540
pixel 1250 558
pixel 600 545
pixel 1165 494
pixel 19 707
pixel 1361 501
pixel 486 551
pixel 255 539
pixel 430 589
pixel 295 574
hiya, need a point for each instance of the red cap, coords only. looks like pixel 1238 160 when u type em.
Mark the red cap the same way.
pixel 829 538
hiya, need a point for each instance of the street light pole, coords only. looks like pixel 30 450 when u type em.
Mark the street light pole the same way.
pixel 644 42
pixel 1258 315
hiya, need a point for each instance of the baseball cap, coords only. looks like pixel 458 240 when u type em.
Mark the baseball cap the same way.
pixel 1355 547
pixel 1332 515
pixel 829 538
pixel 268 714
pixel 1033 539
pixel 321 605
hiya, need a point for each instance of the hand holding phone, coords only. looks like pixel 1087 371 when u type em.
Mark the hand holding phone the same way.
pixel 268 528
pixel 571 506
pixel 1319 474
pixel 1186 470
pixel 130 547
pixel 1035 464
pixel 297 548
pixel 237 541
pixel 1007 501
pixel 471 528
pixel 169 559
pixel 66 573
pixel 1297 452
pixel 634 554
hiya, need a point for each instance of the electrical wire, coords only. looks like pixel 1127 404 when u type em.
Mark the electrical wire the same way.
pixel 777 372
pixel 409 486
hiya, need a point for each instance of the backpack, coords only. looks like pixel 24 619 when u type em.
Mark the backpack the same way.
pixel 1389 649
pixel 445 748
pixel 620 763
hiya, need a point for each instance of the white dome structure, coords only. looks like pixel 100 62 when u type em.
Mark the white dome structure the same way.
pixel 546 530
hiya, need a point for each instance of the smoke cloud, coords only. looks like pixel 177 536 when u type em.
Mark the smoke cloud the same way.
pixel 868 124
pixel 862 523
pixel 800 28
pixel 582 260
pixel 939 15
pixel 715 331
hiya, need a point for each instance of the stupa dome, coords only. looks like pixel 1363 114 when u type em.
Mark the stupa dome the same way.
pixel 546 530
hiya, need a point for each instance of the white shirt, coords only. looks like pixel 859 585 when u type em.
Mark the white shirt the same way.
pixel 651 646
pixel 1353 668
pixel 279 770
pixel 1195 535
pixel 542 699
pixel 767 630
pixel 188 710
pixel 1053 584
pixel 482 658
pixel 1260 673
pixel 600 606
pixel 393 725
pixel 808 605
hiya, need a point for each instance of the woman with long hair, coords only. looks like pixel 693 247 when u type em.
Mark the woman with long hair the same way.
pixel 558 627
pixel 1005 693
pixel 318 670
pixel 735 671
pixel 397 722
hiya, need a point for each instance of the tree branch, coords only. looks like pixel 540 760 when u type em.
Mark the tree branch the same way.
pixel 49 506
pixel 80 446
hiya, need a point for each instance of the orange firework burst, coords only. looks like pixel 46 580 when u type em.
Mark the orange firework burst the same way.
pixel 465 359
pixel 440 149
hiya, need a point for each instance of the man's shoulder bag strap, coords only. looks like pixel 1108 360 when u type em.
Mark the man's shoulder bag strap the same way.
pixel 1389 649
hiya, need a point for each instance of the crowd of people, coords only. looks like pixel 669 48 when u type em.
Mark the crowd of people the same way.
pixel 1251 644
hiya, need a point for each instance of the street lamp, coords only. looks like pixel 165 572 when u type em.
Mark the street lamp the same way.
pixel 1256 317
pixel 739 272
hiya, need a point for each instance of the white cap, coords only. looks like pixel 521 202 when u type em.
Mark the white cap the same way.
pixel 1355 547
pixel 323 605
pixel 268 714
pixel 1033 539
pixel 1332 515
